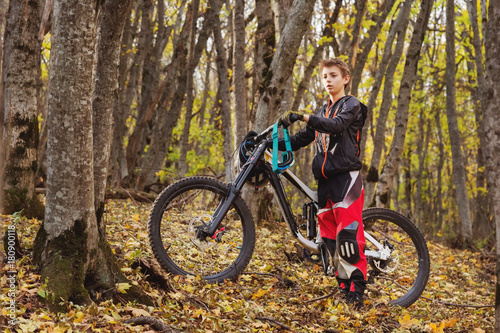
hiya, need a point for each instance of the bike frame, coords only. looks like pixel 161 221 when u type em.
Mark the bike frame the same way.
pixel 263 157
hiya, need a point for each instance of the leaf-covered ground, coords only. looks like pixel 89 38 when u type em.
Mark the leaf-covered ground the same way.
pixel 277 292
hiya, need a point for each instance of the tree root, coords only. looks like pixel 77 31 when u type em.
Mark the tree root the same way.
pixel 155 324
pixel 154 273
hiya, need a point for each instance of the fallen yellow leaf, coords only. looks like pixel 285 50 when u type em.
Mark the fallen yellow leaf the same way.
pixel 122 287
pixel 79 317
pixel 259 293
pixel 407 322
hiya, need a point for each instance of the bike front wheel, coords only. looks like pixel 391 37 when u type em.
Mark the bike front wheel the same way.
pixel 180 211
pixel 401 277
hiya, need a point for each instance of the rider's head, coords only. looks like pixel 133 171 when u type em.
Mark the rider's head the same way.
pixel 336 76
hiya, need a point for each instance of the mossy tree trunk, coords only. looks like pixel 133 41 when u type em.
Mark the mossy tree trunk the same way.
pixel 71 252
pixel 21 64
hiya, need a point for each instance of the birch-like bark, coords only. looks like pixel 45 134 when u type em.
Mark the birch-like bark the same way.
pixel 71 253
pixel 21 63
pixel 409 77
pixel 70 216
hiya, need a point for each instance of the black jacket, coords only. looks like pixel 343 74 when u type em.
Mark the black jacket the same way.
pixel 337 132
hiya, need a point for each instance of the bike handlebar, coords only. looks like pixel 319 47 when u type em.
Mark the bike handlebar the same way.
pixel 264 133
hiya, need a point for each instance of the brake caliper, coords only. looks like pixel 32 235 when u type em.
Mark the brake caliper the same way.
pixel 218 234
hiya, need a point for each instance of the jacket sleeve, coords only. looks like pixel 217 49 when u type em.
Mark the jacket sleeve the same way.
pixel 339 123
pixel 301 139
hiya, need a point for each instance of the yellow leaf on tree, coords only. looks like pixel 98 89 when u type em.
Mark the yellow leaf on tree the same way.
pixel 407 322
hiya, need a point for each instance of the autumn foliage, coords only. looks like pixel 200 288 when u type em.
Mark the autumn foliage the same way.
pixel 279 291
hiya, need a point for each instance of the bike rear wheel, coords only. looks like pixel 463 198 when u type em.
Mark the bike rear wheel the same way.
pixel 176 216
pixel 403 276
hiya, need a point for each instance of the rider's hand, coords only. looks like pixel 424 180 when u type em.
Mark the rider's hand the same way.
pixel 290 117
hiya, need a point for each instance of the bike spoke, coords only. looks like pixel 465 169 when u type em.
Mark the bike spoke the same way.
pixel 183 217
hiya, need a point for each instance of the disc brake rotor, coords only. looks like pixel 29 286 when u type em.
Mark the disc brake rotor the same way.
pixel 195 224
pixel 388 266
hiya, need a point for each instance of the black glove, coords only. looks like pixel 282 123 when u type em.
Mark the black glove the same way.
pixel 290 117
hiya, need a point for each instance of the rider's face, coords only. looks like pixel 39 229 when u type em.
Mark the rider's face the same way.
pixel 333 81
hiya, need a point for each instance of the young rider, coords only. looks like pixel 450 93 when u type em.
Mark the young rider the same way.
pixel 336 130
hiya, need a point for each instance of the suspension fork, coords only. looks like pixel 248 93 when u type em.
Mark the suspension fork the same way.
pixel 234 191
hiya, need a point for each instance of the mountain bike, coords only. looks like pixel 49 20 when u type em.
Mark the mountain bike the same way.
pixel 202 226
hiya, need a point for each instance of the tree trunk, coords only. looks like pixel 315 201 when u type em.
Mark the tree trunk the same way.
pixel 439 181
pixel 265 42
pixel 118 163
pixel 409 77
pixel 283 62
pixel 206 89
pixel 400 26
pixel 184 144
pixel 422 148
pixel 137 140
pixel 170 96
pixel 222 69
pixel 239 80
pixel 366 45
pixel 360 7
pixel 318 55
pixel 492 129
pixel 459 176
pixel 482 220
pixel 68 249
pixel 166 121
pixel 111 22
pixel 21 65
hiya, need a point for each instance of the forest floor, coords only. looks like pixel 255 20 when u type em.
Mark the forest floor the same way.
pixel 257 302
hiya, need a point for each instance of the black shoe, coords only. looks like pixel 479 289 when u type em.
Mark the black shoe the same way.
pixel 344 288
pixel 356 298
pixel 343 293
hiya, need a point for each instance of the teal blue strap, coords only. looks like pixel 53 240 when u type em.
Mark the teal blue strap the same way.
pixel 284 155
pixel 275 148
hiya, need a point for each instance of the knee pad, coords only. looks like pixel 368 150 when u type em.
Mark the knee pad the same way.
pixel 347 243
